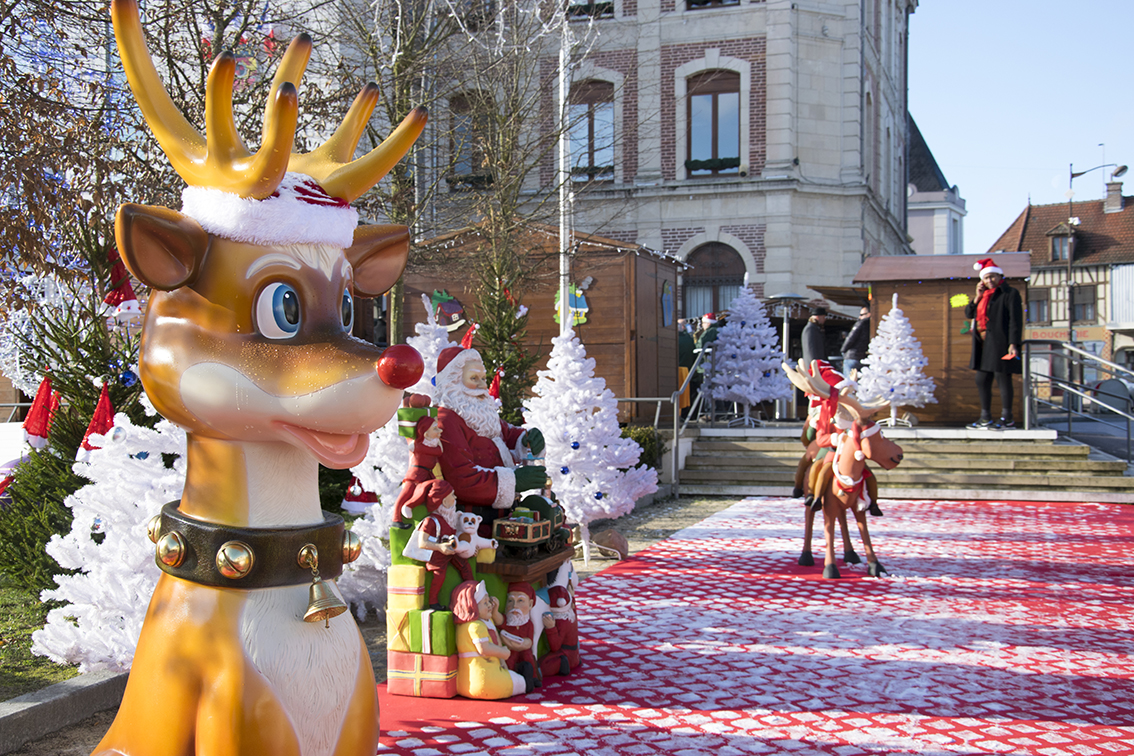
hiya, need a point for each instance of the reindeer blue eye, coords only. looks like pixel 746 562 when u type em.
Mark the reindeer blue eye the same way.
pixel 348 310
pixel 277 311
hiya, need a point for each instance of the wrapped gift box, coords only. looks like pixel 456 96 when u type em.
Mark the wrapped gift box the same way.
pixel 424 675
pixel 399 537
pixel 405 587
pixel 423 631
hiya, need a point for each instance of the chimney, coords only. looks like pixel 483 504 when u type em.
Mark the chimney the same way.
pixel 1113 202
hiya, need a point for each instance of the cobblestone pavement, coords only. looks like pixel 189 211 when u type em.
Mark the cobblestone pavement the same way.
pixel 642 528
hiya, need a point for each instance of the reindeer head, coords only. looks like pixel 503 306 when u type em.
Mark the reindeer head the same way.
pixel 247 335
pixel 853 417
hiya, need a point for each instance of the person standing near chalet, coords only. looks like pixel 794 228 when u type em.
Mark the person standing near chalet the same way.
pixel 856 342
pixel 814 338
pixel 998 326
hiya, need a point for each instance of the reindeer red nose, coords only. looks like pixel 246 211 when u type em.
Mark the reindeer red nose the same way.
pixel 400 366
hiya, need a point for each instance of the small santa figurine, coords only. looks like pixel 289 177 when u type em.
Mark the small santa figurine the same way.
pixel 561 626
pixel 424 457
pixel 518 633
pixel 438 533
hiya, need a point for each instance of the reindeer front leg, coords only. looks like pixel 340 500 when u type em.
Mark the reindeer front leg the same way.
pixel 873 566
pixel 849 555
pixel 805 558
pixel 831 508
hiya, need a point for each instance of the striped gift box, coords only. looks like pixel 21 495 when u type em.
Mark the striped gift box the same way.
pixel 422 675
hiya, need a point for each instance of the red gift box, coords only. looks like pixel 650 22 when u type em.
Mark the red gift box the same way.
pixel 423 675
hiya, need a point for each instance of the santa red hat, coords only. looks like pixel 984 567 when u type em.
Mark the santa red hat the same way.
pixel 712 318
pixel 558 597
pixel 494 389
pixel 521 587
pixel 829 407
pixel 37 425
pixel 121 298
pixel 452 359
pixel 357 499
pixel 987 267
pixel 101 423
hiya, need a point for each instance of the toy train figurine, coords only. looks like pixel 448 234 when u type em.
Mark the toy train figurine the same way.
pixel 534 526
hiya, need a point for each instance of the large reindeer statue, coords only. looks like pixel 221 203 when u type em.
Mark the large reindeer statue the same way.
pixel 841 482
pixel 246 344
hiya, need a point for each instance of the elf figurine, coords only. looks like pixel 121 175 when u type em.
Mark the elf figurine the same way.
pixel 561 627
pixel 424 458
pixel 438 533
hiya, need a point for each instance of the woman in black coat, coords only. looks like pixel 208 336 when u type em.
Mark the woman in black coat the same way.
pixel 997 314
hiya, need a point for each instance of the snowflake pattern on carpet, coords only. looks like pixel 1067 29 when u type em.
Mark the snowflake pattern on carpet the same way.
pixel 1004 628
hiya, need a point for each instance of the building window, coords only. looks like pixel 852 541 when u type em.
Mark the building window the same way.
pixel 468 167
pixel 1039 306
pixel 695 4
pixel 1060 248
pixel 714 124
pixel 590 9
pixel 591 113
pixel 714 280
pixel 1083 304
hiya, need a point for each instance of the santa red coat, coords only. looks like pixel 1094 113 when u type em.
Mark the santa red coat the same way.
pixel 527 631
pixel 474 465
pixel 562 641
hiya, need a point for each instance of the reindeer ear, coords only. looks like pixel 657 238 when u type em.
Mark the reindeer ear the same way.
pixel 378 256
pixel 162 248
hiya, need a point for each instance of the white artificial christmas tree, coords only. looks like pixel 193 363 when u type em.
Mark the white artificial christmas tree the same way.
pixel 594 471
pixel 363 582
pixel 747 357
pixel 894 368
pixel 106 600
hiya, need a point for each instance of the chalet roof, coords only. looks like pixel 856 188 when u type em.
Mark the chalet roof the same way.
pixel 938 267
pixel 925 174
pixel 1100 238
pixel 547 237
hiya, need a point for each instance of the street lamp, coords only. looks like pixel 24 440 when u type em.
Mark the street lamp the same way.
pixel 1072 221
pixel 784 301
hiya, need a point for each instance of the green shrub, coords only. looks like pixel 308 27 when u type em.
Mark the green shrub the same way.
pixel 647 438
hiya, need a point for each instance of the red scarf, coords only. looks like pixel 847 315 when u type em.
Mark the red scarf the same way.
pixel 982 310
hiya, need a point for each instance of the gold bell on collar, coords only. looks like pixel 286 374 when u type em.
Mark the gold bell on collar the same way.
pixel 322 603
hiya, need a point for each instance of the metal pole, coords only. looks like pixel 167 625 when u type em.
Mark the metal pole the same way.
pixel 564 184
pixel 782 404
pixel 1027 387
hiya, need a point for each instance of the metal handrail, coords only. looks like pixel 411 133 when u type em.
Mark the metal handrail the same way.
pixel 16 407
pixel 1071 387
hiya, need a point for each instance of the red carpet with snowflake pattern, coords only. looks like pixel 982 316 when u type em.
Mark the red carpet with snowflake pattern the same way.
pixel 1003 628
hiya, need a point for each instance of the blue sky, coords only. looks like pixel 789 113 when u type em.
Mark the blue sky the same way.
pixel 1008 93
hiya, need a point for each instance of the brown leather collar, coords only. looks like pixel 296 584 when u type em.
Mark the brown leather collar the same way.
pixel 274 551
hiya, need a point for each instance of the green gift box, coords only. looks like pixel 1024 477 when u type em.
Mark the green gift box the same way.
pixel 422 631
pixel 408 417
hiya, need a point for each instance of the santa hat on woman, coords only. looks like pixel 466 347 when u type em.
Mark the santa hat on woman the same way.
pixel 987 266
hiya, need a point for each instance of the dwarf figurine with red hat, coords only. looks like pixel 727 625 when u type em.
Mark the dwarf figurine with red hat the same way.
pixel 561 626
pixel 438 533
pixel 480 451
pixel 424 457
pixel 518 633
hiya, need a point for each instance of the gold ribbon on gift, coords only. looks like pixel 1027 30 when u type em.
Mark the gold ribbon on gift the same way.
pixel 421 675
pixel 397 631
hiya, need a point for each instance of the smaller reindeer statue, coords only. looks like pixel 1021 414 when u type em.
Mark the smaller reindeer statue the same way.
pixel 842 483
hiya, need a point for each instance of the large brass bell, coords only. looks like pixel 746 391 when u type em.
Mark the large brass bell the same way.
pixel 322 603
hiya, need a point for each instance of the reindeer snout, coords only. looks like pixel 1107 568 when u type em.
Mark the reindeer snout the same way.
pixel 400 366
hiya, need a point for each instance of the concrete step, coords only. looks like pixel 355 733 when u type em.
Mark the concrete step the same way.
pixel 778 462
pixel 1007 448
pixel 922 479
pixel 921 492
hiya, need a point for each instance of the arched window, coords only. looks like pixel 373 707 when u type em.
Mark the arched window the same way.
pixel 714 124
pixel 714 280
pixel 591 114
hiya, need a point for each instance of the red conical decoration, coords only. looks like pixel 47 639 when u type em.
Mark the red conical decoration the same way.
pixel 100 424
pixel 121 297
pixel 37 425
pixel 494 389
pixel 466 342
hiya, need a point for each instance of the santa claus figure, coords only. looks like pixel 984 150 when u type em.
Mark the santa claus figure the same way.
pixel 438 533
pixel 480 452
pixel 561 627
pixel 518 633
pixel 425 456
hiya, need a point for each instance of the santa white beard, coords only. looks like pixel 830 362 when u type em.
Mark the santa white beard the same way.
pixel 516 617
pixel 448 514
pixel 475 406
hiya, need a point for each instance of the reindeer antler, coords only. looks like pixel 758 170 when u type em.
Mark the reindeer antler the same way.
pixel 221 161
